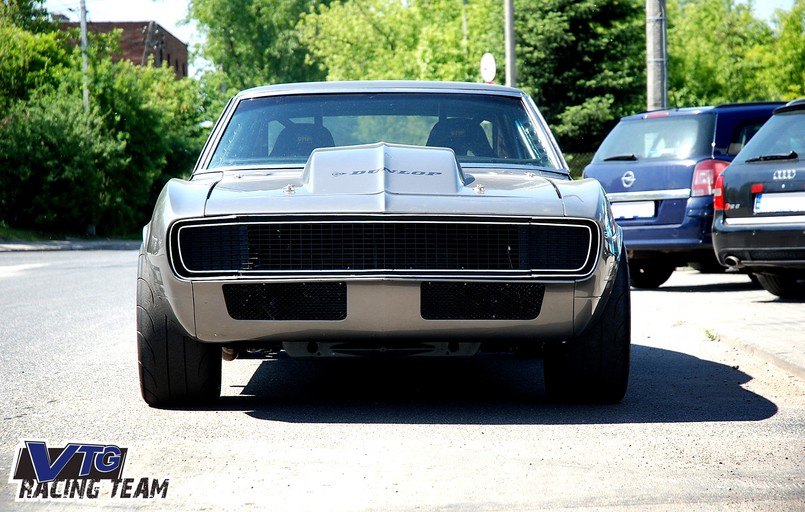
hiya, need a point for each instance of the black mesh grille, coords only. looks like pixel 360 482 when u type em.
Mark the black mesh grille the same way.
pixel 784 254
pixel 344 247
pixel 481 301
pixel 215 248
pixel 286 301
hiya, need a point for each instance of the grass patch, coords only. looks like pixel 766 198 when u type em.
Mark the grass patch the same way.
pixel 9 234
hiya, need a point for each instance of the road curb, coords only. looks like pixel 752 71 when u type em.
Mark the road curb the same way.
pixel 765 355
pixel 71 245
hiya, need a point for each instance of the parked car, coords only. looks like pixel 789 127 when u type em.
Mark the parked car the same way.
pixel 658 169
pixel 759 223
pixel 382 219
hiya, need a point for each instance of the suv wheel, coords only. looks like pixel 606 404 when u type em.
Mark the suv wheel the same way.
pixel 649 274
pixel 782 285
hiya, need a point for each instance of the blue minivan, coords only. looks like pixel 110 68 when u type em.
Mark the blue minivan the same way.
pixel 658 169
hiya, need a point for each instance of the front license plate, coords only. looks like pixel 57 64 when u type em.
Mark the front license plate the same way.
pixel 785 202
pixel 634 210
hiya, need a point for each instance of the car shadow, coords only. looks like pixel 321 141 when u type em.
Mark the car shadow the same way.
pixel 767 298
pixel 665 387
pixel 710 287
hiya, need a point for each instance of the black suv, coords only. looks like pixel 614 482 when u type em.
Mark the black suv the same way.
pixel 759 223
pixel 658 169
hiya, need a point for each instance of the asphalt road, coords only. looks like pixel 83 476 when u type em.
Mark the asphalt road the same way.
pixel 708 423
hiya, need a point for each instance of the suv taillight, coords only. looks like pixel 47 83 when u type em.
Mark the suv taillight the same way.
pixel 718 193
pixel 704 176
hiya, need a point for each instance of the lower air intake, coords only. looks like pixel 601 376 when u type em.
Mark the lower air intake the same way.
pixel 481 301
pixel 286 301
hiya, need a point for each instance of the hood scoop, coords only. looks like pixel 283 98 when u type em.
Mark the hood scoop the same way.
pixel 383 167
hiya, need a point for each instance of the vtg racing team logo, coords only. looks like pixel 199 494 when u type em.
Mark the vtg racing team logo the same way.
pixel 78 471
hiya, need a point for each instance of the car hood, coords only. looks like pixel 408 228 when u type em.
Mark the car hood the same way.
pixel 385 178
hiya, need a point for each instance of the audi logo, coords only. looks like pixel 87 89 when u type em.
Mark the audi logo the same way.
pixel 784 174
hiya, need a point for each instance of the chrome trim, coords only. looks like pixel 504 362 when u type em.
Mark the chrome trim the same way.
pixel 758 221
pixel 383 274
pixel 649 195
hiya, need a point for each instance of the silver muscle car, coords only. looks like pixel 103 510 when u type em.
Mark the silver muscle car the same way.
pixel 382 218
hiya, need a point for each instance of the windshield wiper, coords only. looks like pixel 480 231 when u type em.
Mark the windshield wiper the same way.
pixel 623 157
pixel 791 155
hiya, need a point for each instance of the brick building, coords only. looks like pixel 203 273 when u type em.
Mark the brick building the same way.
pixel 144 39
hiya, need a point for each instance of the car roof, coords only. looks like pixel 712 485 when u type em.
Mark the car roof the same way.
pixel 791 106
pixel 378 86
pixel 759 106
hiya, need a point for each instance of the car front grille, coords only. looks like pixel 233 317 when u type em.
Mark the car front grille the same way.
pixel 405 247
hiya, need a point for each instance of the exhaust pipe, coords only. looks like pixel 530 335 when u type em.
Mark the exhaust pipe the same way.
pixel 733 261
pixel 229 353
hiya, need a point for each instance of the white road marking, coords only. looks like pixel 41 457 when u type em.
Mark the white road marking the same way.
pixel 12 270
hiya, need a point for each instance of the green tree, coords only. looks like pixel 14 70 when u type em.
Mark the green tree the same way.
pixel 583 62
pixel 64 167
pixel 29 61
pixel 781 62
pixel 54 155
pixel 254 42
pixel 712 48
pixel 397 39
pixel 29 15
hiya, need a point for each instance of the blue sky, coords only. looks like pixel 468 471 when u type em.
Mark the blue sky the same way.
pixel 765 8
pixel 168 13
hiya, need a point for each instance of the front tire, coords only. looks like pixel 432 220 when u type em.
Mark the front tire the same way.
pixel 174 368
pixel 594 366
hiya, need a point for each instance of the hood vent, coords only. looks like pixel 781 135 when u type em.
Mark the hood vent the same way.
pixel 383 167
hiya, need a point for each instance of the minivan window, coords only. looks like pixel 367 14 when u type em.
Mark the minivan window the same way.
pixel 663 138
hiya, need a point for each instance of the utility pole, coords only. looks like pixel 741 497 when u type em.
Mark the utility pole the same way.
pixel 84 44
pixel 511 70
pixel 656 52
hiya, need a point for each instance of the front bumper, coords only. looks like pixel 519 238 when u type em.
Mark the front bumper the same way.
pixel 387 310
pixel 384 307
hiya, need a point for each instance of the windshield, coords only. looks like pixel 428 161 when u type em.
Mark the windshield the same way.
pixel 282 130
pixel 783 135
pixel 662 138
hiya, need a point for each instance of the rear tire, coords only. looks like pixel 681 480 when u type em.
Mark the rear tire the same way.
pixel 782 285
pixel 174 368
pixel 594 366
pixel 647 274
